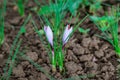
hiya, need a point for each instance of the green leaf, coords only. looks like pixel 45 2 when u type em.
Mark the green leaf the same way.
pixel 47 9
pixel 83 30
pixel 1 38
pixel 22 30
pixel 20 6
pixel 94 18
pixel 73 5
pixel 86 2
pixel 103 22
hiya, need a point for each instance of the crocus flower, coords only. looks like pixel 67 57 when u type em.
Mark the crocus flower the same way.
pixel 49 34
pixel 67 32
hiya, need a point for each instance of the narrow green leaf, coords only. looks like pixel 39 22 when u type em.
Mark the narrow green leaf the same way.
pixel 83 30
pixel 20 6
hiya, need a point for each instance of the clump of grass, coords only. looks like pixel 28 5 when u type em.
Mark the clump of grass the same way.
pixel 2 14
pixel 109 26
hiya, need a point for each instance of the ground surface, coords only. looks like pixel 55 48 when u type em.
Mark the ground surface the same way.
pixel 86 54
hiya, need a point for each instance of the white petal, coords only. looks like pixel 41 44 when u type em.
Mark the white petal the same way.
pixel 49 34
pixel 67 32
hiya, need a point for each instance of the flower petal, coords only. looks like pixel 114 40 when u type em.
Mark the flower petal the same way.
pixel 49 34
pixel 67 32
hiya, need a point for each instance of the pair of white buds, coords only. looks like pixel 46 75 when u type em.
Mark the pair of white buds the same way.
pixel 49 34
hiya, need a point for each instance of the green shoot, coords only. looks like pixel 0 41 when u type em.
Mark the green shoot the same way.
pixel 21 7
pixel 12 63
pixel 84 31
pixel 2 14
pixel 109 26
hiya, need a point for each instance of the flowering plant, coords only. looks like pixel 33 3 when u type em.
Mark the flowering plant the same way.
pixel 53 15
pixel 57 56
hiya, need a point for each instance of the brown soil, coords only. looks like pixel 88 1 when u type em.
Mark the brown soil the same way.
pixel 86 54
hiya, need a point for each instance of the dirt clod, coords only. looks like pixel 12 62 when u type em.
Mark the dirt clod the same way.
pixel 18 71
pixel 86 42
pixel 22 79
pixel 70 56
pixel 78 50
pixel 32 55
pixel 99 54
pixel 86 58
pixel 72 67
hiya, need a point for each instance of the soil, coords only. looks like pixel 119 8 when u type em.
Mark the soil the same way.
pixel 87 56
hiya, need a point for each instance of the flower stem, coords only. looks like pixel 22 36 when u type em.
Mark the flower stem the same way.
pixel 53 64
pixel 60 62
